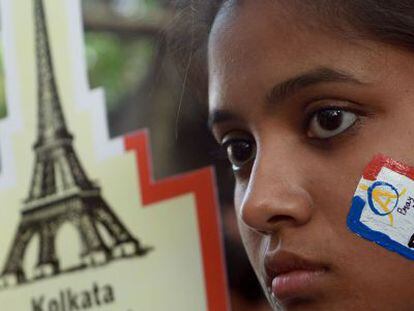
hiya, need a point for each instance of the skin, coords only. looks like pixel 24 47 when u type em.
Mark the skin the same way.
pixel 295 192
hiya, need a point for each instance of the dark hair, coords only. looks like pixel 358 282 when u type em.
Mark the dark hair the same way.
pixel 389 21
pixel 187 38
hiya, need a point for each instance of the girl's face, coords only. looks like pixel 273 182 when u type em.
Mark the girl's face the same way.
pixel 301 111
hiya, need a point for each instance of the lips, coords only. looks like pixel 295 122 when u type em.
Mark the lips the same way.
pixel 292 277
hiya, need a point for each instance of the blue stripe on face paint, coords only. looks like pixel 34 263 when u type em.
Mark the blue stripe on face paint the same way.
pixel 355 225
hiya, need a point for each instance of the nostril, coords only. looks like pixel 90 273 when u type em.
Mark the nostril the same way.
pixel 272 223
pixel 280 218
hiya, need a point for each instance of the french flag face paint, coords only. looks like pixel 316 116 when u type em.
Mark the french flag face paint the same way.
pixel 382 209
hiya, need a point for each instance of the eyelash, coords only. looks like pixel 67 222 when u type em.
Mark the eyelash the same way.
pixel 221 152
pixel 311 114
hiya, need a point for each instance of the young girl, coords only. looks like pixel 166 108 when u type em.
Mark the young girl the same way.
pixel 303 95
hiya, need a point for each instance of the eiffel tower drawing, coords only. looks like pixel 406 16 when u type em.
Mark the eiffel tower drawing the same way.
pixel 60 191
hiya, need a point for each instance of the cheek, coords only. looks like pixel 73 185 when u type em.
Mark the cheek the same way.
pixel 332 206
pixel 331 184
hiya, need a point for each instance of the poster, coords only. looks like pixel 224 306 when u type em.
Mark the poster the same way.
pixel 84 226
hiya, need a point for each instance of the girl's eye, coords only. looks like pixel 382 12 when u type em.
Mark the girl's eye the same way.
pixel 239 152
pixel 330 122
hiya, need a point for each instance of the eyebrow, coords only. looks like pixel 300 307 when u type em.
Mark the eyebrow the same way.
pixel 288 88
pixel 282 91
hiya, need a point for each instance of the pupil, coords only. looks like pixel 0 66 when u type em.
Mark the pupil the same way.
pixel 330 119
pixel 240 151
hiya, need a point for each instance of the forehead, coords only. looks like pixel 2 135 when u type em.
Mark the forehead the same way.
pixel 259 43
pixel 239 23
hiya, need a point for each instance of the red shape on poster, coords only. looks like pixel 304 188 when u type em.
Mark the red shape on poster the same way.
pixel 201 183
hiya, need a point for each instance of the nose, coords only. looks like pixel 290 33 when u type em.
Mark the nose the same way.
pixel 275 195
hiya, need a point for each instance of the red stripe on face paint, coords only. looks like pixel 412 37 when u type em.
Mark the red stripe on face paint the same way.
pixel 379 161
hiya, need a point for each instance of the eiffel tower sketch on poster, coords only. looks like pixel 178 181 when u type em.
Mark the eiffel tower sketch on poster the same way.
pixel 60 191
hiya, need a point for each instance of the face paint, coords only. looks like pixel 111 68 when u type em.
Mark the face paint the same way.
pixel 383 206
